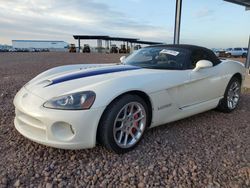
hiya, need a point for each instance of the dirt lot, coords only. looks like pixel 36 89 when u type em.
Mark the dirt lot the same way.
pixel 210 149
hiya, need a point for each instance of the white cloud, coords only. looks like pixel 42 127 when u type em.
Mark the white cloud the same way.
pixel 53 18
pixel 204 12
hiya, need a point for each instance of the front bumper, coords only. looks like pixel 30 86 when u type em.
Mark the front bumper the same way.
pixel 65 129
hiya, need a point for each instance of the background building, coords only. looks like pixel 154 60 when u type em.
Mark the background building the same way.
pixel 40 44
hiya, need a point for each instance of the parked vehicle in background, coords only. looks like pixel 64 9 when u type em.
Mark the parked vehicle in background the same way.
pixel 219 52
pixel 114 49
pixel 86 48
pixel 72 48
pixel 123 49
pixel 215 51
pixel 45 50
pixel 236 52
pixel 12 50
pixel 128 50
pixel 3 50
pixel 246 49
pixel 21 50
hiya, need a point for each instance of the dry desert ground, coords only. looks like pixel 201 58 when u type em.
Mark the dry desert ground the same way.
pixel 211 149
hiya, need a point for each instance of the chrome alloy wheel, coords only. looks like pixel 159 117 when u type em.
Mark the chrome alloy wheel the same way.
pixel 233 95
pixel 129 125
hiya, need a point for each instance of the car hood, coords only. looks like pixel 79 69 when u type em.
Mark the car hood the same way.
pixel 69 79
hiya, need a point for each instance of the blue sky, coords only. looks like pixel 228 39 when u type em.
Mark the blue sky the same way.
pixel 212 23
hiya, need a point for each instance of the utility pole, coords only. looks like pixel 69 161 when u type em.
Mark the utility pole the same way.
pixel 248 55
pixel 177 21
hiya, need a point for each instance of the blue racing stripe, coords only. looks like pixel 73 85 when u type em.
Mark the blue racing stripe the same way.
pixel 92 73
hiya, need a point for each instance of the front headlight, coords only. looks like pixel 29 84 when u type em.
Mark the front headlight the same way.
pixel 76 101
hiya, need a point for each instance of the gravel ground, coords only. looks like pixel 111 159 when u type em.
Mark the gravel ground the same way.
pixel 211 149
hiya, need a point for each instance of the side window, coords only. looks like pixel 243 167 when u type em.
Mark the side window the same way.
pixel 237 49
pixel 201 54
pixel 170 61
pixel 198 55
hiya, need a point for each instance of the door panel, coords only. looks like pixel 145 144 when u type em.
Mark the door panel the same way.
pixel 182 93
pixel 206 84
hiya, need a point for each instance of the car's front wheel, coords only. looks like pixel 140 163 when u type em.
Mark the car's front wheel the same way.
pixel 123 123
pixel 231 96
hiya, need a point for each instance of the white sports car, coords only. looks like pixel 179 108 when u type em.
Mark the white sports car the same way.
pixel 74 106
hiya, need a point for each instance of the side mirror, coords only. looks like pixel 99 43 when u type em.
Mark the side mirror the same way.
pixel 202 64
pixel 122 59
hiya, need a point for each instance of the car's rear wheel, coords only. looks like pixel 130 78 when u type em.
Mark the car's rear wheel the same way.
pixel 123 123
pixel 229 55
pixel 244 55
pixel 231 96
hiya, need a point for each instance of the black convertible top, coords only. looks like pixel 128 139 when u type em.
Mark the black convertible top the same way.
pixel 192 48
pixel 182 46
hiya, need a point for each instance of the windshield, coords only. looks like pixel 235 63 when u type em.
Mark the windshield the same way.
pixel 158 58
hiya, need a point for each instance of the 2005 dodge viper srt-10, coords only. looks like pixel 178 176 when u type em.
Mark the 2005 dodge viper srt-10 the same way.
pixel 76 106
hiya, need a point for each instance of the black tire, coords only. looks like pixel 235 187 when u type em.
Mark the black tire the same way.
pixel 105 131
pixel 229 55
pixel 244 55
pixel 223 105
